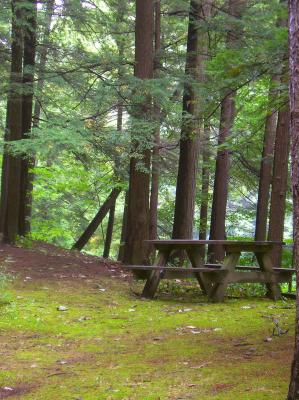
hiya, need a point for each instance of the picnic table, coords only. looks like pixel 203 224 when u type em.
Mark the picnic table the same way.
pixel 215 278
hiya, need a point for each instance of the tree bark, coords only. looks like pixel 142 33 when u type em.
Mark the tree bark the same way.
pixel 50 4
pixel 205 140
pixel 279 183
pixel 136 251
pixel 154 195
pixel 205 184
pixel 92 227
pixel 221 181
pixel 293 393
pixel 109 232
pixel 123 229
pixel 189 141
pixel 266 167
pixel 220 192
pixel 12 163
pixel 27 108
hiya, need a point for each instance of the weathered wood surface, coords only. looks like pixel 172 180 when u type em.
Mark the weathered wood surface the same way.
pixel 175 242
pixel 217 275
pixel 207 267
pixel 153 281
pixel 215 278
pixel 265 262
pixel 230 246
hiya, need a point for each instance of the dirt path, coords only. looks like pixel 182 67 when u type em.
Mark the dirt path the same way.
pixel 48 262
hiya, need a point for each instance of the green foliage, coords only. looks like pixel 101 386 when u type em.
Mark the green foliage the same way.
pixel 89 77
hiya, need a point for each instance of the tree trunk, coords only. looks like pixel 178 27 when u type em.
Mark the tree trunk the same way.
pixel 205 140
pixel 221 181
pixel 189 141
pixel 280 171
pixel 27 108
pixel 136 251
pixel 220 192
pixel 92 227
pixel 205 184
pixel 43 61
pixel 266 167
pixel 28 164
pixel 109 232
pixel 154 196
pixel 293 393
pixel 123 229
pixel 279 183
pixel 4 172
pixel 12 163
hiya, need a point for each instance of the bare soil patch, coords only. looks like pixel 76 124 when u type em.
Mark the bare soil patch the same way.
pixel 49 262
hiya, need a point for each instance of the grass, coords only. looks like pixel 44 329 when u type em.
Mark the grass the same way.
pixel 112 345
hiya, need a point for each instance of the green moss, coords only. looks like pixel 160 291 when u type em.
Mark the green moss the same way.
pixel 112 345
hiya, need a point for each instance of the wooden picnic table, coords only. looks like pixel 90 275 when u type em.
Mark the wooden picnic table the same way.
pixel 215 278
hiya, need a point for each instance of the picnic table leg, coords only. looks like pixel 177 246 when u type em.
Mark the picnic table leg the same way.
pixel 218 291
pixel 265 263
pixel 197 262
pixel 153 280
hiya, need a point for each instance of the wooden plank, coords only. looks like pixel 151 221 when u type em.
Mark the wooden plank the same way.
pixel 207 268
pixel 219 289
pixel 163 268
pixel 247 247
pixel 198 263
pixel 265 262
pixel 254 268
pixel 217 275
pixel 153 280
pixel 209 276
pixel 174 242
pixel 286 270
pixel 258 277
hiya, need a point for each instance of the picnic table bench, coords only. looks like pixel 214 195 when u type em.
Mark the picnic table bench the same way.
pixel 215 278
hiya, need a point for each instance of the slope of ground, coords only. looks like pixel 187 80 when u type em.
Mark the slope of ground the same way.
pixel 71 328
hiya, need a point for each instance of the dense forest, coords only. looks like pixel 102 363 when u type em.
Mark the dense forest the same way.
pixel 123 121
pixel 205 131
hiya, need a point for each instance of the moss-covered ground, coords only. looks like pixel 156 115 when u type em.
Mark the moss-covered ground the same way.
pixel 110 344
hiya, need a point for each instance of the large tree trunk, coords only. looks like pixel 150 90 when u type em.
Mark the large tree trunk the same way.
pixel 221 181
pixel 123 229
pixel 294 130
pixel 205 184
pixel 266 167
pixel 43 61
pixel 27 108
pixel 205 137
pixel 220 192
pixel 279 183
pixel 189 141
pixel 154 195
pixel 136 251
pixel 12 163
pixel 109 232
pixel 92 227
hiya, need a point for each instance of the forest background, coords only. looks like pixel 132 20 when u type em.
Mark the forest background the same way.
pixel 85 124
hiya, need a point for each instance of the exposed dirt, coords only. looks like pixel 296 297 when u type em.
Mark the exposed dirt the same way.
pixel 8 392
pixel 48 262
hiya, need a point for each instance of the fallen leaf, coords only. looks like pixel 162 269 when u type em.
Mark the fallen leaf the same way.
pixel 268 339
pixel 62 308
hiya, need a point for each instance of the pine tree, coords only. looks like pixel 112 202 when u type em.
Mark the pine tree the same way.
pixel 137 228
pixel 293 393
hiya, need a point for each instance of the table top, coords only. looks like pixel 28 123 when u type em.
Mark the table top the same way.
pixel 219 242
